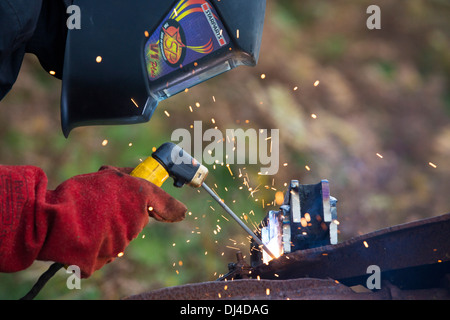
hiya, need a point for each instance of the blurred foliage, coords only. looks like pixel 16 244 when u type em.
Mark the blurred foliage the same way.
pixel 382 92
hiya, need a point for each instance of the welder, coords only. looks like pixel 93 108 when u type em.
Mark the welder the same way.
pixel 114 68
pixel 87 220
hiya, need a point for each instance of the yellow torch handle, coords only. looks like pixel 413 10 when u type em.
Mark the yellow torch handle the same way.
pixel 151 170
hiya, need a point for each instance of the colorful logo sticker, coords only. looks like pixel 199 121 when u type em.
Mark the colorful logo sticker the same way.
pixel 189 32
pixel 172 43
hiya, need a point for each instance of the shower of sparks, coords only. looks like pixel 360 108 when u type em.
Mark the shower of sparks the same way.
pixel 316 83
pixel 247 186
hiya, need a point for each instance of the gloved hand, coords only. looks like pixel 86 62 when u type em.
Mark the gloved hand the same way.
pixel 86 221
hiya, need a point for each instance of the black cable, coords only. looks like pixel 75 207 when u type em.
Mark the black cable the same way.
pixel 42 281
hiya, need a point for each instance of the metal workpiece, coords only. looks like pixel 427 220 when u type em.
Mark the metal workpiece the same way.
pixel 334 222
pixel 294 202
pixel 306 219
pixel 413 255
pixel 312 215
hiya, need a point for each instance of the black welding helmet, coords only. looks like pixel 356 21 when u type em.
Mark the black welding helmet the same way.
pixel 129 55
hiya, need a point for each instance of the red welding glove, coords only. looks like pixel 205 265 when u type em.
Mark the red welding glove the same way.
pixel 86 221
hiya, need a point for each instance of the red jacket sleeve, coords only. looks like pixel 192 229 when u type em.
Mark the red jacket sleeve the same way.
pixel 86 221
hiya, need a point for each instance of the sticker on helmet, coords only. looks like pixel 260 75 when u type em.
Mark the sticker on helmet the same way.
pixel 172 43
pixel 189 32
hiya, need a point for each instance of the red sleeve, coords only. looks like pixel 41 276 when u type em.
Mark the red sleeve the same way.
pixel 21 234
pixel 86 221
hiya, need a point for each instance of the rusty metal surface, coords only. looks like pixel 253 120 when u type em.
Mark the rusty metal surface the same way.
pixel 294 289
pixel 246 289
pixel 412 256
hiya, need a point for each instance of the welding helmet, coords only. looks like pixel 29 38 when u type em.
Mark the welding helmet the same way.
pixel 126 56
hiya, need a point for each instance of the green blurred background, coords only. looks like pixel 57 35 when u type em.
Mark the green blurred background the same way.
pixel 380 91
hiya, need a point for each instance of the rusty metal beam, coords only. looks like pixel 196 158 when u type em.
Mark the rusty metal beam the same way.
pixel 294 289
pixel 246 289
pixel 412 256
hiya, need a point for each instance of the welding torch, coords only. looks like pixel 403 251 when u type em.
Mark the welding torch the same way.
pixel 170 160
